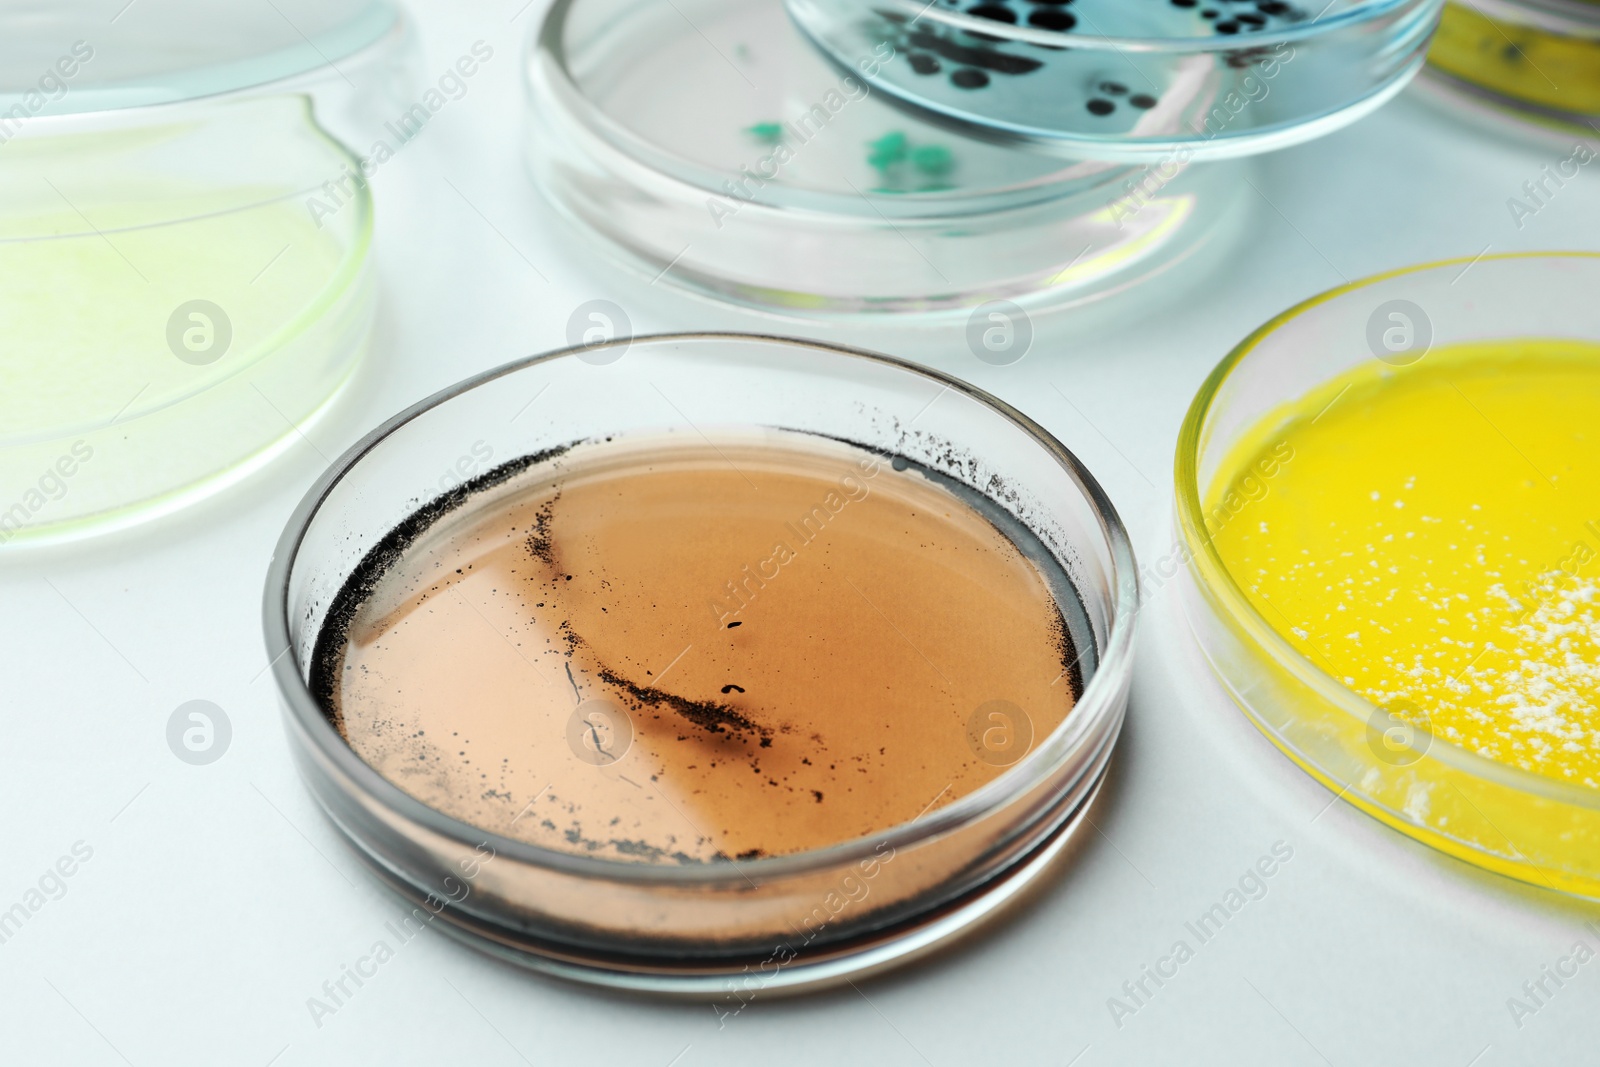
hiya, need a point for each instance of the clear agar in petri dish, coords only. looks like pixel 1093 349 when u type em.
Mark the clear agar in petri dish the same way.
pixel 834 767
pixel 1131 79
pixel 712 147
pixel 178 306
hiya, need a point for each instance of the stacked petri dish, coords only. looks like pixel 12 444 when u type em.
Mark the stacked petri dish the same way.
pixel 178 308
pixel 827 159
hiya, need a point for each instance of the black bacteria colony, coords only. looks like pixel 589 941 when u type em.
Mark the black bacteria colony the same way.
pixel 971 59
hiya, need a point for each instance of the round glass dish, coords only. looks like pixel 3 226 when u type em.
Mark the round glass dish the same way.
pixel 1491 814
pixel 1539 59
pixel 185 247
pixel 710 146
pixel 1131 79
pixel 702 929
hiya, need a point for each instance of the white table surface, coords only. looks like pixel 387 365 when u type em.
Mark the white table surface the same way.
pixel 218 899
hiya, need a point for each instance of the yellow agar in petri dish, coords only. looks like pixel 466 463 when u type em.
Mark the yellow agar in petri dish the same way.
pixel 1429 536
pixel 1524 63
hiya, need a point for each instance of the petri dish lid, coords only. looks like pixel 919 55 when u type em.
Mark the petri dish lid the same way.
pixel 1130 79
pixel 67 57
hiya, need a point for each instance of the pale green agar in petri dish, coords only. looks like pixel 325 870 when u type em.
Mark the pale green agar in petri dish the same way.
pixel 172 312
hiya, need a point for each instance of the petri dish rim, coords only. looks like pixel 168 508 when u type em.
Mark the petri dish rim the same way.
pixel 1218 585
pixel 1097 703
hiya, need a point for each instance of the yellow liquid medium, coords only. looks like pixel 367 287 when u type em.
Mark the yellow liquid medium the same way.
pixel 1430 536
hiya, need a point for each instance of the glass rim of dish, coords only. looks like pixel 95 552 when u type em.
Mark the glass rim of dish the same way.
pixel 1218 584
pixel 1080 730
pixel 1360 11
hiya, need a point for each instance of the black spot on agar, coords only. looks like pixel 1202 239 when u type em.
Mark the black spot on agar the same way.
pixel 1049 18
pixel 997 12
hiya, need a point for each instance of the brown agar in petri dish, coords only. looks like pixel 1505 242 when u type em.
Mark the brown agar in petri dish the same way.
pixel 875 583
pixel 677 649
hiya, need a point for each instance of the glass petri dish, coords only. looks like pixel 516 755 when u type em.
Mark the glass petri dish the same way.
pixel 701 928
pixel 1497 816
pixel 186 248
pixel 710 146
pixel 1538 59
pixel 1114 79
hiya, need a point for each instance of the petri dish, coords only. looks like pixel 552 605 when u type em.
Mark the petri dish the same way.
pixel 642 919
pixel 187 247
pixel 1109 79
pixel 712 147
pixel 1367 697
pixel 1537 59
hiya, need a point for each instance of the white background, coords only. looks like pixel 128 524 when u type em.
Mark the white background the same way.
pixel 218 899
